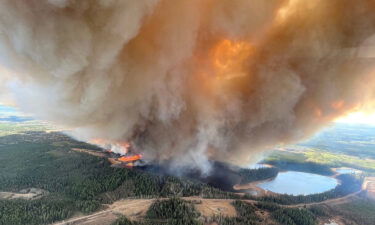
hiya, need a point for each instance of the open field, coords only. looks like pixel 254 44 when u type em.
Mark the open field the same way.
pixel 341 145
pixel 27 194
pixel 8 128
pixel 135 209
pixel 334 159
pixel 90 152
pixel 322 157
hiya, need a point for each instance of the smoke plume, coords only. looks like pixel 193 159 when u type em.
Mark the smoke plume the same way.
pixel 189 80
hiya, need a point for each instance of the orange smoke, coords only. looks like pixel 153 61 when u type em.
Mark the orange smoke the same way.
pixel 287 9
pixel 229 58
pixel 124 144
pixel 98 141
pixel 318 112
pixel 338 105
pixel 121 147
pixel 224 68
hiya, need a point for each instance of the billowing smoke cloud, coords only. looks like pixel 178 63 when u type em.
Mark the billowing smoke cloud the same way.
pixel 189 80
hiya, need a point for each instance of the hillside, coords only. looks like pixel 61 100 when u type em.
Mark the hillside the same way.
pixel 43 180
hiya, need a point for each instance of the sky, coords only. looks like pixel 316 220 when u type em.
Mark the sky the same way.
pixel 12 114
pixel 358 118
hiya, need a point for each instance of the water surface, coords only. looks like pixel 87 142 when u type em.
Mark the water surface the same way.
pixel 299 183
pixel 347 170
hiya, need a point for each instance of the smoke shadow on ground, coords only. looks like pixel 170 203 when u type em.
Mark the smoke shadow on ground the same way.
pixel 222 175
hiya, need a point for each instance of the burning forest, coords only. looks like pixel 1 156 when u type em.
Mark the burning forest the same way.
pixel 188 81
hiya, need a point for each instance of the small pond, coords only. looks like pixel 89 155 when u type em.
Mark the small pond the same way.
pixel 299 183
pixel 347 170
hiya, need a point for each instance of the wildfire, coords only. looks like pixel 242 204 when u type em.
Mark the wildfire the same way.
pixel 130 158
pixel 125 155
pixel 120 147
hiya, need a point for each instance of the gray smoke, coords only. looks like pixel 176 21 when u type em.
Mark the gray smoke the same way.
pixel 189 80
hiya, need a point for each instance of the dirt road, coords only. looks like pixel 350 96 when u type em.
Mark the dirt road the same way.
pixel 131 208
pixel 333 201
pixel 136 209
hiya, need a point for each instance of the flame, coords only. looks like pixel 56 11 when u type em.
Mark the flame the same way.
pixel 130 158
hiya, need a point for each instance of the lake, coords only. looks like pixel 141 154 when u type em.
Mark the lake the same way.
pixel 299 183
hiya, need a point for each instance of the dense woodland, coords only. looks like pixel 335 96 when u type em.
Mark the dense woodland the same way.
pixel 38 211
pixel 360 211
pixel 251 175
pixel 304 166
pixel 173 211
pixel 78 182
pixel 245 215
pixel 294 216
pixel 176 211
pixel 75 181
pixel 291 216
pixel 280 215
